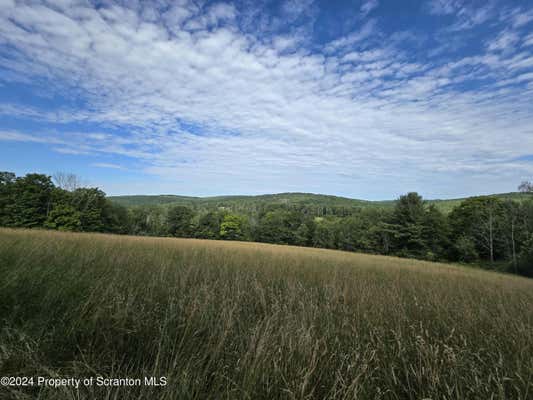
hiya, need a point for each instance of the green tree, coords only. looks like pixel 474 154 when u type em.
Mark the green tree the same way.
pixel 526 187
pixel 64 218
pixel 147 220
pixel 179 221
pixel 408 226
pixel 305 232
pixel 278 226
pixel 381 237
pixel 116 218
pixel 233 227
pixel 481 220
pixel 93 207
pixel 209 225
pixel 436 234
pixel 29 201
pixel 525 259
pixel 326 232
pixel 7 177
pixel 465 249
pixel 7 180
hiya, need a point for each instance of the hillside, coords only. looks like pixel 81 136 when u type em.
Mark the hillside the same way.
pixel 447 205
pixel 308 199
pixel 234 320
pixel 280 198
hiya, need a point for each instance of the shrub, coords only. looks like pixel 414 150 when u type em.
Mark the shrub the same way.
pixel 466 249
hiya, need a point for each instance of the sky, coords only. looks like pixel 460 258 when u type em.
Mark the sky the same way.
pixel 365 99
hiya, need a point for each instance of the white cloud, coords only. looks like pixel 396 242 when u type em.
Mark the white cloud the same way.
pixel 467 15
pixel 222 11
pixel 521 18
pixel 504 42
pixel 293 9
pixel 286 42
pixel 18 137
pixel 366 56
pixel 107 166
pixel 198 101
pixel 367 30
pixel 443 7
pixel 528 40
pixel 367 6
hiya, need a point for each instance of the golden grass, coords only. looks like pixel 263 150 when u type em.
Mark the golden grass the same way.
pixel 232 320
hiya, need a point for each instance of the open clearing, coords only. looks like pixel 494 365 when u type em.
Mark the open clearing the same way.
pixel 231 320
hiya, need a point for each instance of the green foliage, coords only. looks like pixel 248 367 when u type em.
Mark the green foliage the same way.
pixel 305 233
pixel 234 227
pixel 525 259
pixel 409 209
pixel 354 231
pixel 64 217
pixel 481 219
pixel 382 236
pixel 418 230
pixel 465 249
pixel 27 200
pixel 148 220
pixel 6 197
pixel 93 207
pixel 526 187
pixel 279 227
pixel 407 226
pixel 116 218
pixel 6 178
pixel 209 225
pixel 307 203
pixel 436 233
pixel 326 233
pixel 179 221
pixel 33 201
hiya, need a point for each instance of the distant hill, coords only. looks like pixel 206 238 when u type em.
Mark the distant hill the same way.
pixel 147 200
pixel 447 205
pixel 296 199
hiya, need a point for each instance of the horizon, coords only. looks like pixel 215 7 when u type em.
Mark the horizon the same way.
pixel 365 99
pixel 310 193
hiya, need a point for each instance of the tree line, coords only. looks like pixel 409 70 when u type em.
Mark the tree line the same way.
pixel 486 231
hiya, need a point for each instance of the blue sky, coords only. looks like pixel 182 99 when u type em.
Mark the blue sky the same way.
pixel 367 99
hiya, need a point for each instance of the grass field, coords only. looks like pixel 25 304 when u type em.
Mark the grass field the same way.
pixel 229 320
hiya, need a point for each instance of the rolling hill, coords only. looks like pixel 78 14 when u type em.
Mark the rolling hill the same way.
pixel 309 199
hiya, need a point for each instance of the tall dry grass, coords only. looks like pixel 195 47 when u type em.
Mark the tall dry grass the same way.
pixel 227 320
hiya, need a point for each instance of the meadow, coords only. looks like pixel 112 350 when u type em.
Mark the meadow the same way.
pixel 235 320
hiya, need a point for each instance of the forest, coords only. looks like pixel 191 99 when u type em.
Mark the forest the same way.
pixel 486 231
